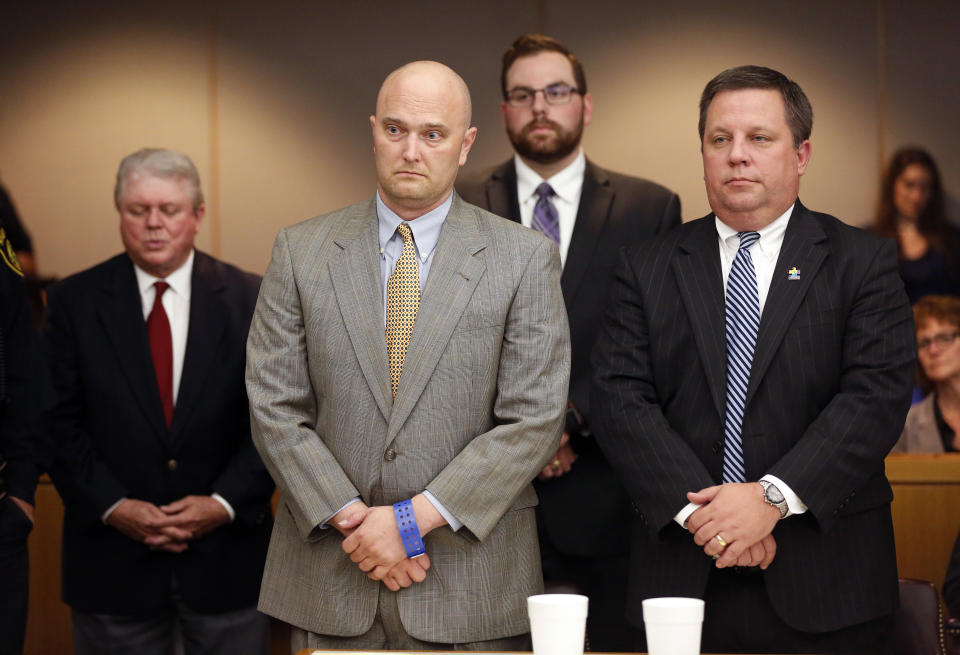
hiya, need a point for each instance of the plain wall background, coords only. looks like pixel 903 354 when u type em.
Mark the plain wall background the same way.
pixel 271 100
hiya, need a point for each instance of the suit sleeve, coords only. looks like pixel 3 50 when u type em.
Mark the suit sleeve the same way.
pixel 245 482
pixel 651 459
pixel 26 388
pixel 81 476
pixel 481 483
pixel 846 444
pixel 282 406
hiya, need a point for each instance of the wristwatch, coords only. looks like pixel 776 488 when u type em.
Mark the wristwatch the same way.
pixel 772 496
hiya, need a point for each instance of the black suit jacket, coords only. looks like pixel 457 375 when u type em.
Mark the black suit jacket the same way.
pixel 113 441
pixel 829 389
pixel 615 211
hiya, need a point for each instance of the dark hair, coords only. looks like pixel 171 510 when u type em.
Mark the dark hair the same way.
pixel 799 113
pixel 528 45
pixel 945 309
pixel 932 223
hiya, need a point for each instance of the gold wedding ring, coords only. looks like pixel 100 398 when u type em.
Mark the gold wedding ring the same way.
pixel 555 464
pixel 723 544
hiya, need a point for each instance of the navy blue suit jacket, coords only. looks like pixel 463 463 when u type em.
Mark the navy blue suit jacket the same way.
pixel 113 441
pixel 615 211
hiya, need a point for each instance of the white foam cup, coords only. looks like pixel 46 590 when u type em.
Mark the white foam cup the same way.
pixel 673 625
pixel 558 623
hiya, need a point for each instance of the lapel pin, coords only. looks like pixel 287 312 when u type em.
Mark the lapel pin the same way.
pixel 793 273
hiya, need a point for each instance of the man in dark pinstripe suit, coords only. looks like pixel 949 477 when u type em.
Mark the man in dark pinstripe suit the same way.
pixel 772 505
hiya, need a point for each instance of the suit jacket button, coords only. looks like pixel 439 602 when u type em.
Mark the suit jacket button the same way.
pixel 390 455
pixel 717 446
pixel 172 465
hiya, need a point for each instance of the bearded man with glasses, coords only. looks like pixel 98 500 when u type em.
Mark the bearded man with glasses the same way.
pixel 590 213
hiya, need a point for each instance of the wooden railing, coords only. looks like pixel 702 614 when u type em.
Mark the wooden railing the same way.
pixel 926 512
pixel 926 517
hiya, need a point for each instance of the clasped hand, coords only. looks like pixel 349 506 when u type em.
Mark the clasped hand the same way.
pixel 738 513
pixel 373 542
pixel 168 527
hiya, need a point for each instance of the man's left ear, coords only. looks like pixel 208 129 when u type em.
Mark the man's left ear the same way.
pixel 468 139
pixel 587 108
pixel 803 157
pixel 200 211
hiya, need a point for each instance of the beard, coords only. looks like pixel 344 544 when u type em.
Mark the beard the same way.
pixel 545 149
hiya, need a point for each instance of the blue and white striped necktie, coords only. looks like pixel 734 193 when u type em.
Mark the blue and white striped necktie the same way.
pixel 743 323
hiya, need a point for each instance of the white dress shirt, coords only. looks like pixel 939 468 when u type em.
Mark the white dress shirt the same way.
pixel 176 303
pixel 764 254
pixel 567 185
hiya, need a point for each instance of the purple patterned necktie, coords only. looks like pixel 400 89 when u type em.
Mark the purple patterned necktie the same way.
pixel 545 217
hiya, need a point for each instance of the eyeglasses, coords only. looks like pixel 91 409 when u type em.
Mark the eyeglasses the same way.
pixel 555 94
pixel 942 340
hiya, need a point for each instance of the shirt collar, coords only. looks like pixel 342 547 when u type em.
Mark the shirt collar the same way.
pixel 179 280
pixel 771 235
pixel 426 228
pixel 565 183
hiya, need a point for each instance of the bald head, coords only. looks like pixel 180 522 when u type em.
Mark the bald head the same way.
pixel 421 136
pixel 429 81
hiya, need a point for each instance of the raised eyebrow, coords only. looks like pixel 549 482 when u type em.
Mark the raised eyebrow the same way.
pixel 388 120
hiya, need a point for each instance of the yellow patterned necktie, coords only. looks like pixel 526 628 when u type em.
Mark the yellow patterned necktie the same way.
pixel 403 300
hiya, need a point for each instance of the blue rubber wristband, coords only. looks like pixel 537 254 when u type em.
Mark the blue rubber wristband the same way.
pixel 407 525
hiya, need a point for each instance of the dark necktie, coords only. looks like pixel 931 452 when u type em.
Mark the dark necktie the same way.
pixel 161 348
pixel 742 322
pixel 545 217
pixel 403 301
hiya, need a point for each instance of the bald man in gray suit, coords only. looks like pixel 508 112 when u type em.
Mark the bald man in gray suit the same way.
pixel 450 425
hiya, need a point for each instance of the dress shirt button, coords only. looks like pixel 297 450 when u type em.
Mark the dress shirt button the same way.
pixel 172 465
pixel 390 455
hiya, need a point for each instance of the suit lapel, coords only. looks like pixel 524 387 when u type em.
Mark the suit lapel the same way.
pixel 208 321
pixel 802 248
pixel 501 192
pixel 121 314
pixel 356 282
pixel 454 274
pixel 596 197
pixel 700 279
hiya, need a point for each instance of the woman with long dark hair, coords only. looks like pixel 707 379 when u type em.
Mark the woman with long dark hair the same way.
pixel 912 212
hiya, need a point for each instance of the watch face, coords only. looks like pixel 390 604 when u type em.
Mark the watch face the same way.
pixel 774 495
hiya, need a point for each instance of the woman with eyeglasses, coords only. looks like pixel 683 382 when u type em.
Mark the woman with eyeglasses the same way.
pixel 933 425
pixel 912 212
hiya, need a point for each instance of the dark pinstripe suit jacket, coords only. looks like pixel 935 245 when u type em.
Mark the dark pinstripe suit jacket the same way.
pixel 829 389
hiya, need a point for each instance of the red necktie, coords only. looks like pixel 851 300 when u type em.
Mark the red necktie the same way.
pixel 161 348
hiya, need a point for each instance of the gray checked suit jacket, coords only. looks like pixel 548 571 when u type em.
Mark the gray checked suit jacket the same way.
pixel 478 412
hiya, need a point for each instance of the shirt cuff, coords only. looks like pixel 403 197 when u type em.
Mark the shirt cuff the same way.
pixel 794 504
pixel 106 515
pixel 324 526
pixel 223 501
pixel 684 514
pixel 448 517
